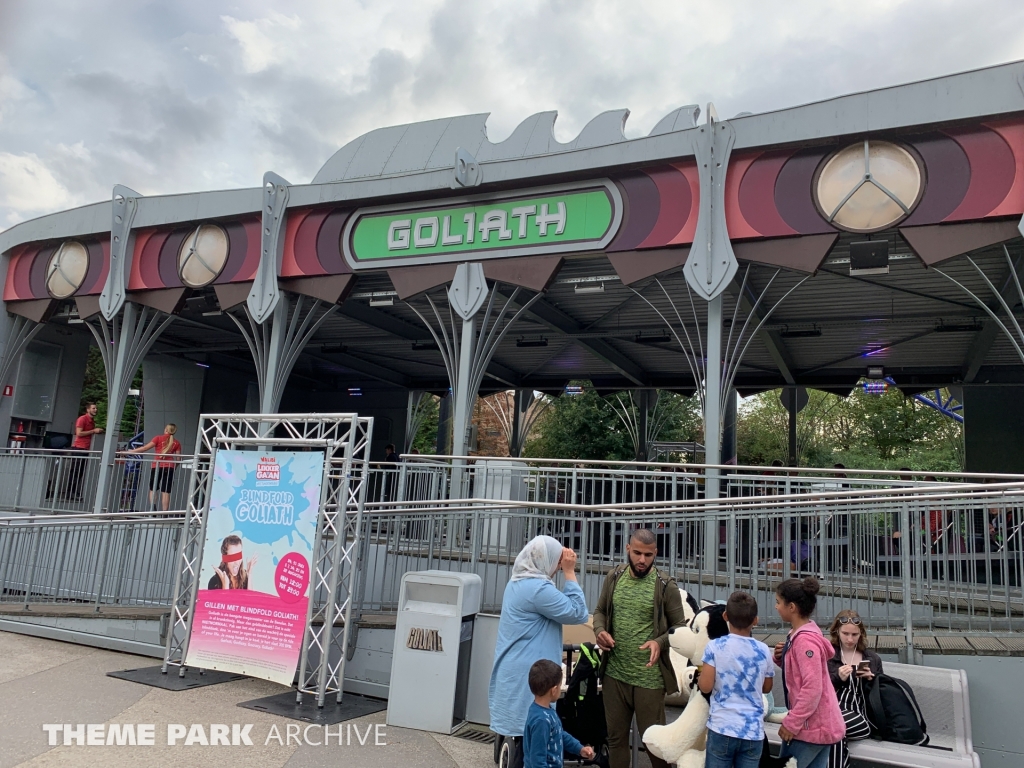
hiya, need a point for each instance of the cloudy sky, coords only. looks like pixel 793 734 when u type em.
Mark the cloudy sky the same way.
pixel 203 94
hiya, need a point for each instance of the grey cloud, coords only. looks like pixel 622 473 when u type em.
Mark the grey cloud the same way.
pixel 157 96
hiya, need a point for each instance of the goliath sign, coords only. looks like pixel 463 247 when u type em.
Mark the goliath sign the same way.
pixel 558 219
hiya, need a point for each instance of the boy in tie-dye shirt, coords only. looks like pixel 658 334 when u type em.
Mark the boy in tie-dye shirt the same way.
pixel 736 670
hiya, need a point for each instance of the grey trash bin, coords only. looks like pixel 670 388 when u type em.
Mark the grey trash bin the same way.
pixel 433 641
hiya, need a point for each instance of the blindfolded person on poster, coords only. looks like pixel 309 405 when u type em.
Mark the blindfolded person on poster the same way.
pixel 232 572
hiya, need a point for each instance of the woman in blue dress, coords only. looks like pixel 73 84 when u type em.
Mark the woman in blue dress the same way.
pixel 533 611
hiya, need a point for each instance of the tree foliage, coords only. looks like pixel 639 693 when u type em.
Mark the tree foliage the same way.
pixel 861 431
pixel 587 427
pixel 425 440
pixel 94 390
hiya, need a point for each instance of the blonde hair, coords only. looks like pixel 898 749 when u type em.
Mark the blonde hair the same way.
pixel 169 429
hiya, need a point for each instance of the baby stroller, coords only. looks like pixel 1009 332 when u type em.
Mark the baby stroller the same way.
pixel 581 708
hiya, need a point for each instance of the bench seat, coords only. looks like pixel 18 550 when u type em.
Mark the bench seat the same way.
pixel 943 697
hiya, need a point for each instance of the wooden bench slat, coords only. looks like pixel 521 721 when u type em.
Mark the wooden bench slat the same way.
pixel 952 643
pixel 988 644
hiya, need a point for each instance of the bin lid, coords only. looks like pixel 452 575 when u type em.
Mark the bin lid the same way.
pixel 470 583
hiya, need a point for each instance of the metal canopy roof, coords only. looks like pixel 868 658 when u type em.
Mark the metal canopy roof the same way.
pixel 913 321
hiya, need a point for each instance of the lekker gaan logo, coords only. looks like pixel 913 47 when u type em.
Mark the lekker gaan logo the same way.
pixel 268 471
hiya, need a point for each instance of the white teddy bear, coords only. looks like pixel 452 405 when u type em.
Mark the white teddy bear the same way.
pixel 684 741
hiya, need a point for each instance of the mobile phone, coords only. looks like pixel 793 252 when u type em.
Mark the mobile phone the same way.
pixel 864 666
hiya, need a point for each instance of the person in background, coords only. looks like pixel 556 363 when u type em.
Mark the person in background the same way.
pixel 533 611
pixel 814 722
pixel 390 454
pixel 161 475
pixel 736 670
pixel 637 608
pixel 852 669
pixel 85 428
pixel 545 743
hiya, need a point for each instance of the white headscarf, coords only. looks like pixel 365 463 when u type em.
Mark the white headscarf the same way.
pixel 538 560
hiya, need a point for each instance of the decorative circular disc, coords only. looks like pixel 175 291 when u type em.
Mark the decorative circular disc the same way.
pixel 868 186
pixel 67 269
pixel 202 256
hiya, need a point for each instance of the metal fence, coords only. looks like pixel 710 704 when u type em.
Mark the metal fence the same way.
pixel 102 560
pixel 65 481
pixel 951 555
pixel 909 554
pixel 44 480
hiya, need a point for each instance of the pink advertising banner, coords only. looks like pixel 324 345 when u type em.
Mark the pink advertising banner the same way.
pixel 256 567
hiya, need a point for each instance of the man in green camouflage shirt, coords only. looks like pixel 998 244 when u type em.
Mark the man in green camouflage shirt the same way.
pixel 637 608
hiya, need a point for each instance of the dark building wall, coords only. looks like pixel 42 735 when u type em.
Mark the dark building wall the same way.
pixel 994 428
pixel 226 390
pixel 387 406
pixel 172 392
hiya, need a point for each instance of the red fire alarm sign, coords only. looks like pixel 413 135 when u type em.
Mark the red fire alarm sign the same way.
pixel 9 390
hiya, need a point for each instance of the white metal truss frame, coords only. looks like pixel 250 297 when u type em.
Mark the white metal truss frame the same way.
pixel 345 439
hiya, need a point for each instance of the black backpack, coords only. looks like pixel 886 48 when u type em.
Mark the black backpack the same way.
pixel 893 713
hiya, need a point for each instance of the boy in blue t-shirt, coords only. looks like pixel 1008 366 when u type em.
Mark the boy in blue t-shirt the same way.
pixel 736 670
pixel 544 741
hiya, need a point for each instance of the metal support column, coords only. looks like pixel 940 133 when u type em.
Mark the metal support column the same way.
pixel 467 352
pixel 276 344
pixel 793 453
pixel 21 333
pixel 713 395
pixel 444 421
pixel 729 447
pixel 463 391
pixel 124 343
pixel 713 424
pixel 643 421
pixel 521 403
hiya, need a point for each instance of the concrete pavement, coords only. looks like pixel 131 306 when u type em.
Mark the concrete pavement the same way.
pixel 46 681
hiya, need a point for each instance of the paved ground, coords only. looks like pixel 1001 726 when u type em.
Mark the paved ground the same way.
pixel 45 681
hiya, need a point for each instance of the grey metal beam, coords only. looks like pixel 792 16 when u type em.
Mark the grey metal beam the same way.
pixel 770 338
pixel 366 367
pixel 557 320
pixel 374 318
pixel 981 344
pixel 986 337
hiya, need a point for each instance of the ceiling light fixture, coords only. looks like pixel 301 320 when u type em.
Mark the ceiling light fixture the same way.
pixel 598 288
pixel 523 342
pixel 804 333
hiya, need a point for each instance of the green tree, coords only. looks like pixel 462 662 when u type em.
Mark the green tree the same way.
pixel 426 436
pixel 94 390
pixel 861 431
pixel 587 427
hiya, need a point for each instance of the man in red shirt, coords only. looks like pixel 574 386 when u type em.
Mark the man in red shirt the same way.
pixel 85 428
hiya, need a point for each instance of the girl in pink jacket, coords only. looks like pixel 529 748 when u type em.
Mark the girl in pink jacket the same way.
pixel 814 722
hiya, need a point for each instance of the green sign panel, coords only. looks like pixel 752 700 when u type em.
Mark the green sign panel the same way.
pixel 549 220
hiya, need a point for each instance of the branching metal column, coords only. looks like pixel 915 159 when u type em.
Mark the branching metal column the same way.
pixel 19 336
pixel 123 341
pixel 465 350
pixel 277 344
